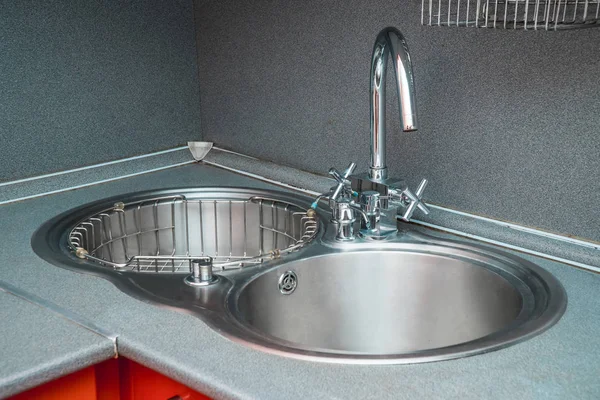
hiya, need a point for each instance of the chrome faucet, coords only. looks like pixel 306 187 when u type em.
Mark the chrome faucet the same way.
pixel 370 193
pixel 389 42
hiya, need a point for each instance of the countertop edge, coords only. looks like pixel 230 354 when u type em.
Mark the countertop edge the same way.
pixel 56 368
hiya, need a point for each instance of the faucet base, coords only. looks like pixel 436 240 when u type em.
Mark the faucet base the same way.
pixel 363 182
pixel 378 234
pixel 378 174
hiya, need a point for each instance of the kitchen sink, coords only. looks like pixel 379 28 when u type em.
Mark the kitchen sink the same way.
pixel 279 281
pixel 342 277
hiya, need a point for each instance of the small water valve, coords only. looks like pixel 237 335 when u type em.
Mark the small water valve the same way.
pixel 201 273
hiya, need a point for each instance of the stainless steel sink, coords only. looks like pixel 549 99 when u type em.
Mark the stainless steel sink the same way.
pixel 412 302
pixel 286 286
pixel 381 303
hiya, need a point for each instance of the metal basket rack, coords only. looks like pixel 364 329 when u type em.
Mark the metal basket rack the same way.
pixel 164 234
pixel 512 14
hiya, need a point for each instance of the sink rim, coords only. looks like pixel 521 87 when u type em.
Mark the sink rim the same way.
pixel 519 330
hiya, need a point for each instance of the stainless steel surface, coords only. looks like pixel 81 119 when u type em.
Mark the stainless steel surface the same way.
pixel 406 298
pixel 166 233
pixel 344 208
pixel 288 282
pixel 202 274
pixel 389 42
pixel 512 14
pixel 342 179
pixel 343 216
pixel 362 182
pixel 382 303
pixel 409 299
pixel 370 203
pixel 412 201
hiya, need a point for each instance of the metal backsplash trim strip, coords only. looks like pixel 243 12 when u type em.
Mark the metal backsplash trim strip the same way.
pixel 104 164
pixel 261 178
pixel 521 228
pixel 235 152
pixel 33 196
pixel 509 246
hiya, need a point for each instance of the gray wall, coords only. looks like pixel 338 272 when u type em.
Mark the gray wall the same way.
pixel 85 81
pixel 510 121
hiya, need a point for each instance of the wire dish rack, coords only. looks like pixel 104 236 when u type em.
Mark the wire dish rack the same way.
pixel 512 14
pixel 164 234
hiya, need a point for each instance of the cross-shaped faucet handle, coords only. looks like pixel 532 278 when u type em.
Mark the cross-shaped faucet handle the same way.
pixel 413 200
pixel 342 179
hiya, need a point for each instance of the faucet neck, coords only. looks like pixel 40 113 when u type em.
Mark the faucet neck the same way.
pixel 389 41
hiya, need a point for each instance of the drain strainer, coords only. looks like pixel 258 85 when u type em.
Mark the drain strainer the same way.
pixel 288 282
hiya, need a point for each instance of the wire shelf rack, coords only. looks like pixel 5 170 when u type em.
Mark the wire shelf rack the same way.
pixel 512 14
pixel 164 234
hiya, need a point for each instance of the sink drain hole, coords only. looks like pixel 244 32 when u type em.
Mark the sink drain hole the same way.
pixel 288 282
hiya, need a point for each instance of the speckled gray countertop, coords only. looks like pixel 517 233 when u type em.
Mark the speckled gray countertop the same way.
pixel 562 363
pixel 38 345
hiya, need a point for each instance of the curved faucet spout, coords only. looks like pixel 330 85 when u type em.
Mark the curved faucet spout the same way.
pixel 389 41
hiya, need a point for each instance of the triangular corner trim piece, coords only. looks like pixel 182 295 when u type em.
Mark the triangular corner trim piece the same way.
pixel 199 150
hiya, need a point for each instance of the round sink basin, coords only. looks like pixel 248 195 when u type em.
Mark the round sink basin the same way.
pixel 423 304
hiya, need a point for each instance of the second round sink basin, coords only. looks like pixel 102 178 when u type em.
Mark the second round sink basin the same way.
pixel 422 304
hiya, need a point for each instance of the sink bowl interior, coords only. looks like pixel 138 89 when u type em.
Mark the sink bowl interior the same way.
pixel 391 303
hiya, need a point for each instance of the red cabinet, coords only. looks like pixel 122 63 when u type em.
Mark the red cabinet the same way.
pixel 117 379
